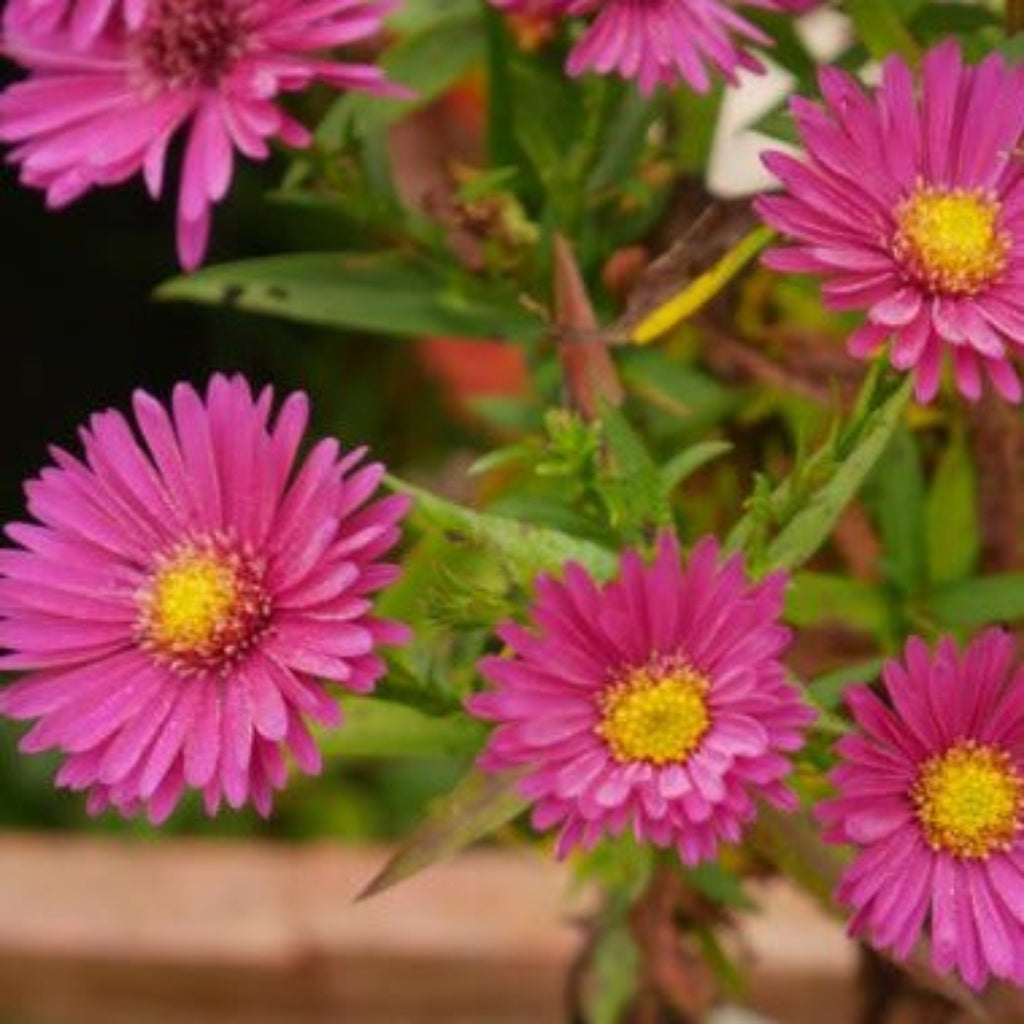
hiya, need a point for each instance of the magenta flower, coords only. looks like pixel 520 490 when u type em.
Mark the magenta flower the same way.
pixel 85 19
pixel 931 791
pixel 912 206
pixel 178 600
pixel 659 42
pixel 211 68
pixel 656 701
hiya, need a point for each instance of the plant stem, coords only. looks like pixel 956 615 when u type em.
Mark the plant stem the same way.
pixel 588 372
pixel 1014 16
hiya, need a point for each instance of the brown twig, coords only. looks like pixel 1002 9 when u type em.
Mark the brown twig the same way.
pixel 589 374
pixel 1014 16
pixel 675 978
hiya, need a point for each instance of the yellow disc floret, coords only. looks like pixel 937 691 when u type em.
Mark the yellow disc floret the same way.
pixel 202 607
pixel 657 714
pixel 950 239
pixel 969 800
pixel 191 598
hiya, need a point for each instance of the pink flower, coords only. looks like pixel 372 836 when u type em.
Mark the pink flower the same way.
pixel 931 792
pixel 211 68
pixel 182 594
pixel 656 701
pixel 659 42
pixel 85 19
pixel 912 206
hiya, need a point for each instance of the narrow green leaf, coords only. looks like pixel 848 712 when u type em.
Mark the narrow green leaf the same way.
pixel 676 389
pixel 815 597
pixel 387 293
pixel 698 115
pixel 428 60
pixel 380 728
pixel 897 493
pixel 811 526
pixel 615 969
pixel 478 805
pixel 719 884
pixel 827 691
pixel 879 26
pixel 980 601
pixel 623 142
pixel 501 143
pixel 630 480
pixel 953 529
pixel 529 549
pixel 681 467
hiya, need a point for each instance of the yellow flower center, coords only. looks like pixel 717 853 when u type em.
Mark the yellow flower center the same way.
pixel 192 598
pixel 202 608
pixel 969 800
pixel 950 239
pixel 657 714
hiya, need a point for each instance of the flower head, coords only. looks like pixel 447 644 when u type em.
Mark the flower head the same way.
pixel 659 42
pixel 656 701
pixel 182 594
pixel 98 115
pixel 931 792
pixel 911 204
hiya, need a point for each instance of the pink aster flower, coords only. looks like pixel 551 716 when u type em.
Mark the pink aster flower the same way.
pixel 209 68
pixel 659 42
pixel 656 701
pixel 911 204
pixel 931 792
pixel 182 594
pixel 85 19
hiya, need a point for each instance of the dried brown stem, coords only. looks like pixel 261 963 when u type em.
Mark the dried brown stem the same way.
pixel 589 374
pixel 1014 16
pixel 674 978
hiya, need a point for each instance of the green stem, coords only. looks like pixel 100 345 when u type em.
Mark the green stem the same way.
pixel 881 30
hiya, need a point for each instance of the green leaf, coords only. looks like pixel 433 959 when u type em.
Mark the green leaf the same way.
pixel 718 884
pixel 980 601
pixel 681 467
pixel 682 392
pixel 478 805
pixel 380 728
pixel 385 293
pixel 501 142
pixel 623 142
pixel 815 597
pixel 827 690
pixel 879 26
pixel 952 515
pixel 546 119
pixel 698 115
pixel 429 60
pixel 898 496
pixel 528 549
pixel 858 453
pixel 615 973
pixel 630 481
